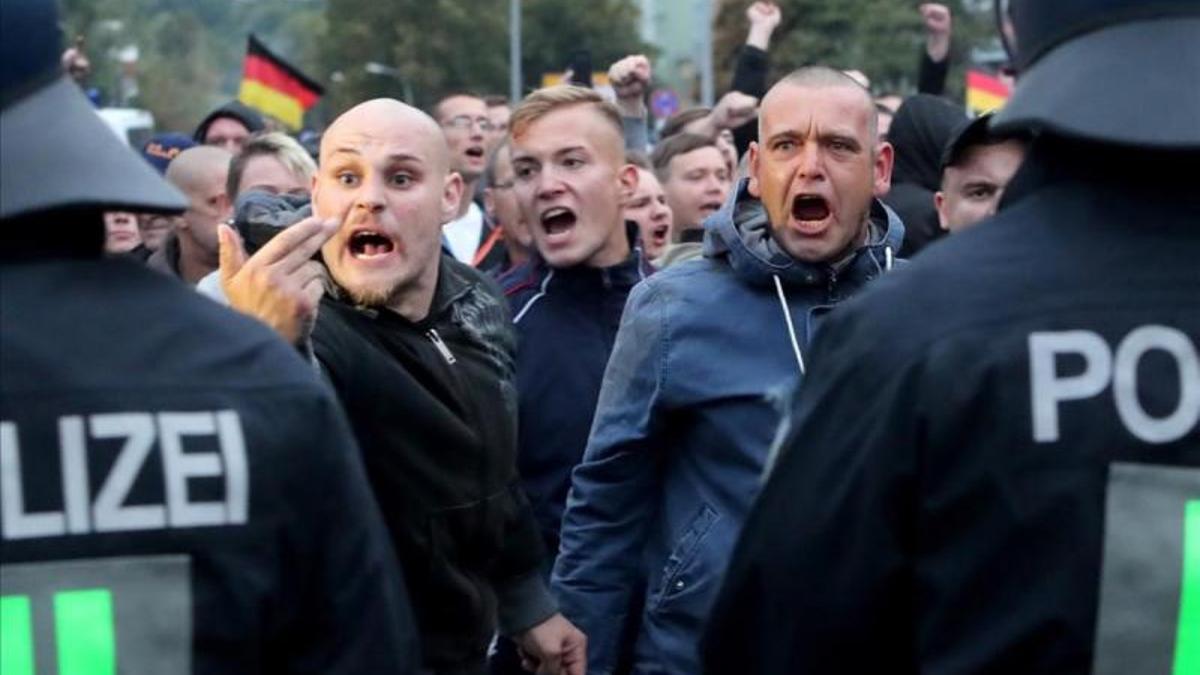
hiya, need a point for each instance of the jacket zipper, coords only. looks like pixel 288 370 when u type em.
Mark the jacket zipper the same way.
pixel 436 339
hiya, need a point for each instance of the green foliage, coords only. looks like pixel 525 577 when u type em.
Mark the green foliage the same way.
pixel 443 46
pixel 882 38
pixel 190 51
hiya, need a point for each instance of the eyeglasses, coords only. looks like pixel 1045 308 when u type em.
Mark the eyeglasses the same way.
pixel 465 122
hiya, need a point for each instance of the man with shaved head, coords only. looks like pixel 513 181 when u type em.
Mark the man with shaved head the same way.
pixel 707 351
pixel 419 348
pixel 190 252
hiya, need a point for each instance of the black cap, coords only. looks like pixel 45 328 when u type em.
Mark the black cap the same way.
pixel 973 133
pixel 55 151
pixel 1117 71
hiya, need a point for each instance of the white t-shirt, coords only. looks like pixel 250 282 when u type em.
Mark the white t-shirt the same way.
pixel 462 235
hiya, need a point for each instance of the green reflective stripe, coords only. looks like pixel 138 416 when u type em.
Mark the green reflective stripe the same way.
pixel 1187 640
pixel 86 639
pixel 16 635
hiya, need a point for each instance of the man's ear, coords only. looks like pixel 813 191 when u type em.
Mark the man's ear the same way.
pixel 939 203
pixel 752 186
pixel 628 177
pixel 885 157
pixel 452 196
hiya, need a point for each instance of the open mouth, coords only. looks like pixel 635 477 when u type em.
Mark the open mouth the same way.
pixel 810 208
pixel 558 220
pixel 710 207
pixel 660 232
pixel 475 152
pixel 366 244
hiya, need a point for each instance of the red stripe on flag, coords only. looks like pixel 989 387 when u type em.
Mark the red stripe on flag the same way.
pixel 268 73
pixel 984 82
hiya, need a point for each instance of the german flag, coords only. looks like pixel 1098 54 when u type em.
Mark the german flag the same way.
pixel 985 93
pixel 272 86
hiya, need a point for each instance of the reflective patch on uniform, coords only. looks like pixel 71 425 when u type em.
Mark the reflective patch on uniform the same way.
pixel 1147 580
pixel 97 616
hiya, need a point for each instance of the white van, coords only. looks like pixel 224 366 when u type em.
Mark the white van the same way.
pixel 132 125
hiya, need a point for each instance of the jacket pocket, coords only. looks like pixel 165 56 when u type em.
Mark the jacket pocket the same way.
pixel 683 555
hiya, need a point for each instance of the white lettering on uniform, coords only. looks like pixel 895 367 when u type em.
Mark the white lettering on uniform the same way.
pixel 1048 390
pixel 179 466
pixel 18 524
pixel 73 449
pixel 108 512
pixel 1129 354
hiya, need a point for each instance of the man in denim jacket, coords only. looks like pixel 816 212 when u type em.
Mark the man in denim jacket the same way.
pixel 706 352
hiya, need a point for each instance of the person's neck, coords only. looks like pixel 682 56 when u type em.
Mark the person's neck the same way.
pixel 468 197
pixel 414 301
pixel 616 250
pixel 517 255
pixel 194 262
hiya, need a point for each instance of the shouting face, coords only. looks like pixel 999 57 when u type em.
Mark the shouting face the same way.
pixel 817 166
pixel 570 174
pixel 384 175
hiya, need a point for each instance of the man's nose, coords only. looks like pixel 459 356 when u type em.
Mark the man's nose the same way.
pixel 370 195
pixel 811 162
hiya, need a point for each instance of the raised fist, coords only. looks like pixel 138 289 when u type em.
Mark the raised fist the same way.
pixel 630 76
pixel 764 14
pixel 936 17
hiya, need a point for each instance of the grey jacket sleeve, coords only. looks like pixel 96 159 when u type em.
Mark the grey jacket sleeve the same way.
pixel 637 137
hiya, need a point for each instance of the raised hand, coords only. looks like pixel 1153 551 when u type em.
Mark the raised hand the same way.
pixel 280 285
pixel 630 77
pixel 939 24
pixel 764 17
pixel 733 110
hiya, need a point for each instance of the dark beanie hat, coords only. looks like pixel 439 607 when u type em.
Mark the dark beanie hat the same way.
pixel 233 110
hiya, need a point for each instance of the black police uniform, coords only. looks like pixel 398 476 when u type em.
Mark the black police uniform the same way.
pixel 1019 492
pixel 180 493
pixel 953 514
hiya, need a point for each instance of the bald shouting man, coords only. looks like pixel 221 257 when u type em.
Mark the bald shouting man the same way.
pixel 419 348
pixel 190 252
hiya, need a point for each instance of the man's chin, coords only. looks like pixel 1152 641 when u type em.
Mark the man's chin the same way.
pixel 367 292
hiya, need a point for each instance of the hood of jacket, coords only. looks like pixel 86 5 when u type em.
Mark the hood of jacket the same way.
pixel 922 128
pixel 233 110
pixel 741 233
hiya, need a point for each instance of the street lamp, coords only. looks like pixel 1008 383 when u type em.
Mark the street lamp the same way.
pixel 390 71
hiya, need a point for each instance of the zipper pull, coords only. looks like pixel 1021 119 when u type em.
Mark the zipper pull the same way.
pixel 441 346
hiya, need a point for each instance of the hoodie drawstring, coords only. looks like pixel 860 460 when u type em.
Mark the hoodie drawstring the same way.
pixel 787 314
pixel 888 259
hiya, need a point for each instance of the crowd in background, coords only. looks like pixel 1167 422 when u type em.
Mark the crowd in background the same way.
pixel 497 386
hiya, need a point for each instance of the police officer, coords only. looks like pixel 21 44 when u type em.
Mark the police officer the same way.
pixel 178 492
pixel 1020 491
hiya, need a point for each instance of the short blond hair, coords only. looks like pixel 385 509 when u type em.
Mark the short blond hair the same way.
pixel 548 99
pixel 275 144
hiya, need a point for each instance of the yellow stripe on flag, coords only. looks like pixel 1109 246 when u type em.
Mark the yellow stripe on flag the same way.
pixel 980 101
pixel 272 102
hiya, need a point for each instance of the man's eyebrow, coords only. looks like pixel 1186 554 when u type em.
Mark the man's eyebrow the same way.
pixel 345 150
pixel 404 157
pixel 786 133
pixel 841 136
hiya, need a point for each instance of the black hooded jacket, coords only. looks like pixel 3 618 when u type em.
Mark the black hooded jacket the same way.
pixel 923 126
pixel 433 404
pixel 994 463
pixel 233 110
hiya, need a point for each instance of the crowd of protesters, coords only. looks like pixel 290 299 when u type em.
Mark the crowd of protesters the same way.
pixel 508 386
